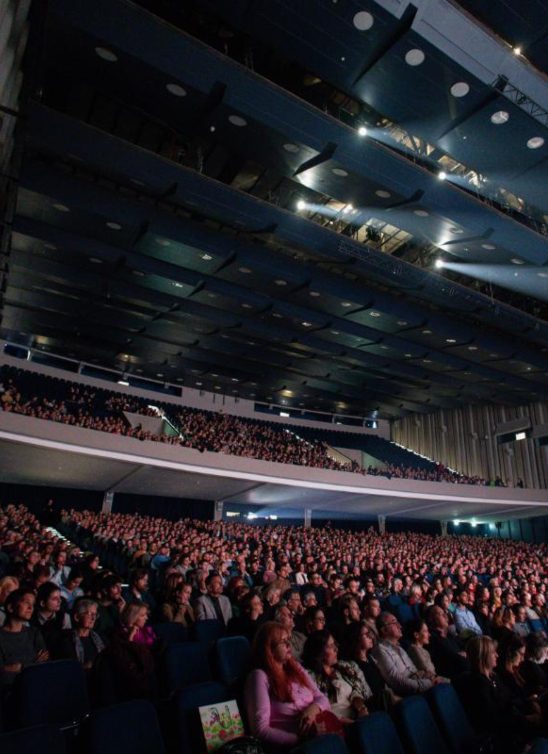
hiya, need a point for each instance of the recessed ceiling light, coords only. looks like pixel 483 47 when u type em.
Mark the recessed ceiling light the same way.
pixel 178 285
pixel 407 355
pixel 95 260
pixel 339 171
pixel 277 315
pixel 217 387
pixel 516 50
pixel 50 246
pixel 306 324
pixel 472 348
pixel 488 246
pixel 427 361
pixel 346 304
pixel 420 212
pixel 114 226
pixel 106 54
pixel 212 295
pixel 442 175
pixel 401 322
pixel 293 148
pixel 374 314
pixel 314 294
pixel 163 242
pixel 500 117
pixel 460 89
pixel 517 260
pixel 280 282
pixel 363 20
pixel 159 374
pixel 139 273
pixel 246 306
pixel 542 274
pixel 427 332
pixel 362 131
pixel 244 270
pixel 456 230
pixel 414 57
pixel 234 379
pixel 214 375
pixel 206 257
pixel 383 194
pixel 301 204
pixel 384 348
pixel 535 142
pixel 450 340
pixel 61 207
pixel 176 90
pixel 237 120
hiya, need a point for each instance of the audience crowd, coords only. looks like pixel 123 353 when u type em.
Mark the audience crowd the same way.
pixel 94 408
pixel 341 623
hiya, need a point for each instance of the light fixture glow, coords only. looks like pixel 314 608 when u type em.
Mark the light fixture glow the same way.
pixel 517 50
pixel 442 175
pixel 438 264
pixel 301 204
pixel 362 131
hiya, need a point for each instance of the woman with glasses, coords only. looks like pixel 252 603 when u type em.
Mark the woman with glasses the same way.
pixel 342 682
pixel 313 619
pixel 358 643
pixel 82 643
pixel 281 699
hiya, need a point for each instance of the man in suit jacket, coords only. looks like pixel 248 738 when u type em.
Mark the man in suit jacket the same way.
pixel 213 605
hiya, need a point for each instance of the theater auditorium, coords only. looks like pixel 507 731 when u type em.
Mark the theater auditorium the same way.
pixel 273 377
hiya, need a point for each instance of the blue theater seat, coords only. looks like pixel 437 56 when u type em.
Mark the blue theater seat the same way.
pixel 171 633
pixel 40 739
pixel 451 719
pixel 208 631
pixel 328 744
pixel 374 734
pixel 233 654
pixel 185 664
pixel 52 693
pixel 185 711
pixel 417 727
pixel 127 727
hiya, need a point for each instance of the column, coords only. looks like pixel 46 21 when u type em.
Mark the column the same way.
pixel 381 521
pixel 443 525
pixel 218 510
pixel 307 518
pixel 108 499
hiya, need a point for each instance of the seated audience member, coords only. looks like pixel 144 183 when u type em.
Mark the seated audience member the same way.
pixel 49 615
pixel 176 607
pixel 281 700
pixel 271 596
pixel 8 584
pixel 341 681
pixel 284 616
pixel 81 643
pixel 292 598
pixel 214 604
pixel 111 604
pixel 482 616
pixel 521 625
pixel 137 590
pixel 59 570
pixel 465 621
pixel 71 590
pixel 371 611
pixel 534 668
pixel 90 570
pixel 502 626
pixel 419 639
pixel 129 655
pixel 359 640
pixel 313 620
pixel 397 668
pixel 20 644
pixel 525 704
pixel 447 654
pixel 248 622
pixel 347 612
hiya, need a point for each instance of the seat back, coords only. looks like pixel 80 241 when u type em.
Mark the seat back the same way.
pixel 417 727
pixel 374 734
pixel 185 704
pixel 451 719
pixel 328 744
pixel 41 739
pixel 130 726
pixel 52 693
pixel 233 654
pixel 185 664
pixel 171 633
pixel 208 631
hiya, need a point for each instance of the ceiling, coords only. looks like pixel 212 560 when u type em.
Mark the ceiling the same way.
pixel 155 227
pixel 22 463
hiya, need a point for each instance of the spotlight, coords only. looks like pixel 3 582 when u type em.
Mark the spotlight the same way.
pixel 301 204
pixel 438 264
pixel 362 131
pixel 517 51
pixel 442 175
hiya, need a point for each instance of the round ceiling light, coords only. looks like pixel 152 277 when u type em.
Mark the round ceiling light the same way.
pixel 420 212
pixel 61 207
pixel 163 242
pixel 176 90
pixel 339 171
pixel 113 225
pixel 542 274
pixel 517 260
pixel 500 117
pixel 488 246
pixel 460 89
pixel 293 148
pixel 383 194
pixel 414 57
pixel 280 282
pixel 237 120
pixel 363 20
pixel 535 142
pixel 106 54
pixel 244 270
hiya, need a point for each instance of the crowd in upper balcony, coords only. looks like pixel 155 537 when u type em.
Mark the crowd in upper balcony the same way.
pixel 80 405
pixel 342 624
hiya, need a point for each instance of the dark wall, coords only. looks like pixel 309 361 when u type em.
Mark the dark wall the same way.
pixel 527 529
pixel 165 507
pixel 63 497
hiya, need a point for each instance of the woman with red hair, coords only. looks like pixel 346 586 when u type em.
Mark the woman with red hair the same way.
pixel 282 701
